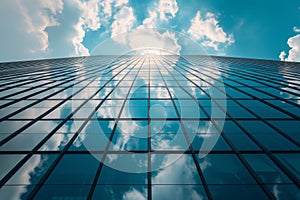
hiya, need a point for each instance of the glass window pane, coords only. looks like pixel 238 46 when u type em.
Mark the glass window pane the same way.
pixel 246 192
pixel 8 161
pixel 15 191
pixel 135 112
pixel 75 169
pixel 129 142
pixel 23 142
pixel 292 162
pixel 210 141
pixel 63 192
pixel 239 139
pixel 56 142
pixel 224 169
pixel 284 191
pixel 169 141
pixel 120 192
pixel 291 128
pixel 32 171
pixel 268 136
pixel 124 169
pixel 168 126
pixel 263 110
pixel 266 169
pixel 162 192
pixel 174 169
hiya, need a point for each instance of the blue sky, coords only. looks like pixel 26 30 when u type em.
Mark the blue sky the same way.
pixel 37 29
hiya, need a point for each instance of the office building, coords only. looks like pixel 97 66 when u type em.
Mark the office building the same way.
pixel 150 127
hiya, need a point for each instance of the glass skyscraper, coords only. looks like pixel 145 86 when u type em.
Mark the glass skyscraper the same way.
pixel 150 127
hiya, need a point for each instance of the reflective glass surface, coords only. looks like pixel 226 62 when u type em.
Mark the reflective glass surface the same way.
pixel 150 127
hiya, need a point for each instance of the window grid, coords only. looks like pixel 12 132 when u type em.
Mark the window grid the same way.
pixel 33 193
pixel 284 168
pixel 39 145
pixel 259 181
pixel 31 97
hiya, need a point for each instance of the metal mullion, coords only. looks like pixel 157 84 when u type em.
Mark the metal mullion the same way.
pixel 211 67
pixel 19 82
pixel 284 83
pixel 34 80
pixel 56 72
pixel 203 180
pixel 36 68
pixel 38 118
pixel 256 72
pixel 196 100
pixel 17 132
pixel 19 73
pixel 54 164
pixel 250 111
pixel 257 152
pixel 20 163
pixel 30 74
pixel 149 173
pixel 266 151
pixel 234 149
pixel 23 98
pixel 40 100
pixel 266 72
pixel 98 172
pixel 265 120
pixel 262 100
pixel 34 87
pixel 257 80
pixel 7 66
pixel 248 71
pixel 35 93
pixel 253 113
pixel 253 62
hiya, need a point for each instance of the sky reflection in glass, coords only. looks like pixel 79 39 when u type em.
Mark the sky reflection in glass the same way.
pixel 151 128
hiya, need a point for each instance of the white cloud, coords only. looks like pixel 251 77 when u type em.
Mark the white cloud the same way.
pixel 185 173
pixel 88 19
pixel 90 13
pixel 35 164
pixel 296 29
pixel 146 40
pixel 182 164
pixel 294 52
pixel 80 49
pixel 119 3
pixel 134 194
pixel 39 16
pixel 293 86
pixel 55 6
pixel 57 28
pixel 166 7
pixel 151 21
pixel 162 12
pixel 108 6
pixel 124 21
pixel 207 30
pixel 43 28
pixel 24 22
pixel 143 38
pixel 282 55
pixel 23 177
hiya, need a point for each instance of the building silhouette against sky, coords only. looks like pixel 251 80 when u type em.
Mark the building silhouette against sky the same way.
pixel 150 127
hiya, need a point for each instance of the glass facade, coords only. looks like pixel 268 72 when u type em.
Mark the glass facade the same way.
pixel 150 127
